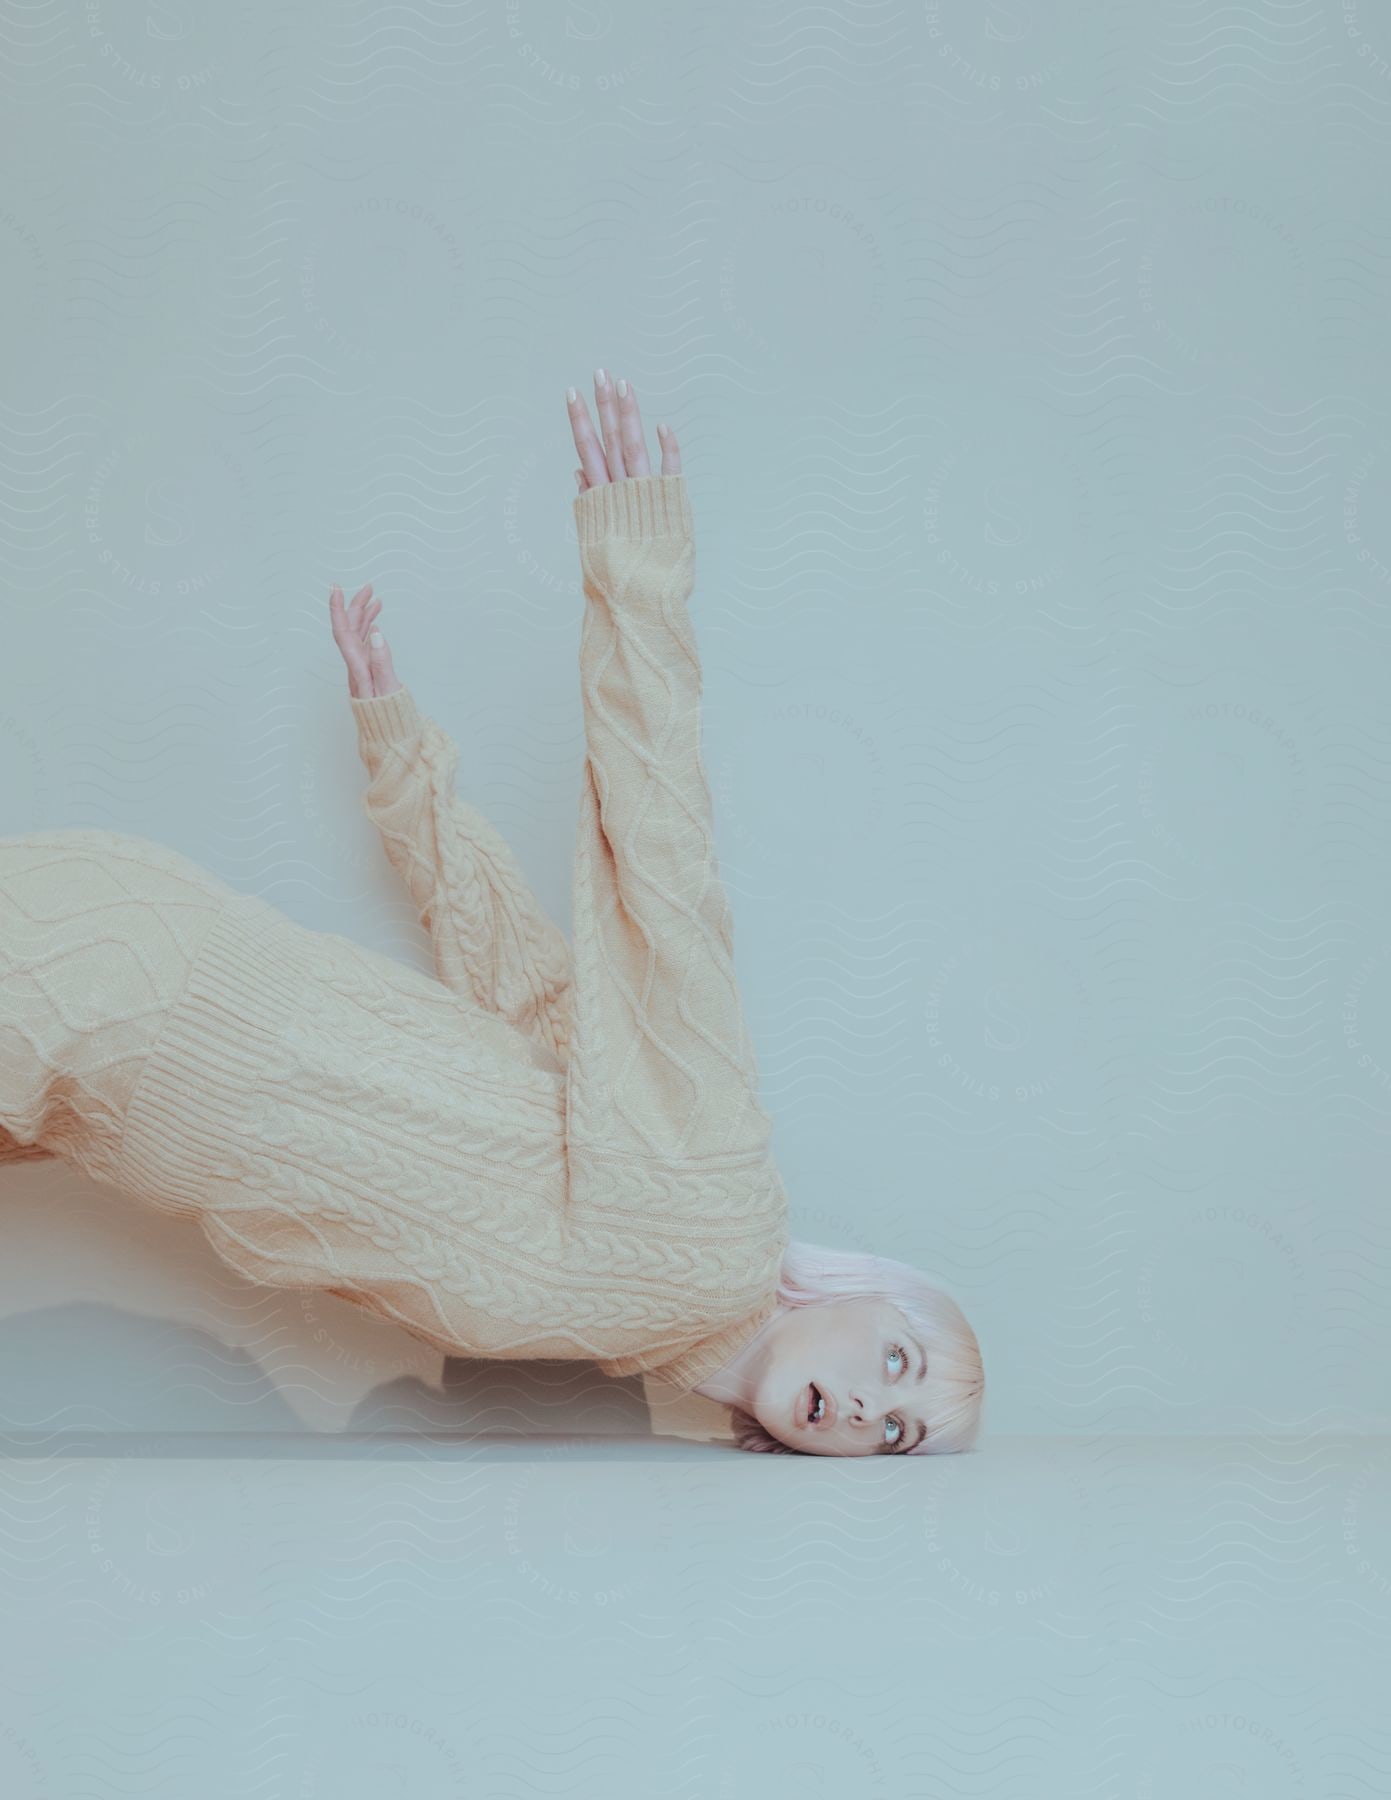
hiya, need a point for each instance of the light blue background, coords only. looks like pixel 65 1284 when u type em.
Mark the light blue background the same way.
pixel 1030 367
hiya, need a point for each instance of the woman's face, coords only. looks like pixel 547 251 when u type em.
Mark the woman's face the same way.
pixel 864 1361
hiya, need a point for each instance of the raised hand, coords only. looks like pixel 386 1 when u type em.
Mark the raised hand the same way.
pixel 623 450
pixel 364 649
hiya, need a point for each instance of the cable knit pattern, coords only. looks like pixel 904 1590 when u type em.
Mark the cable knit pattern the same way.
pixel 531 1152
pixel 490 938
pixel 98 935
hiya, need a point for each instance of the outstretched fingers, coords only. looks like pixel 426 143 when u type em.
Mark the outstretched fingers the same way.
pixel 621 454
pixel 347 634
pixel 630 431
pixel 606 404
pixel 368 663
pixel 671 450
pixel 593 463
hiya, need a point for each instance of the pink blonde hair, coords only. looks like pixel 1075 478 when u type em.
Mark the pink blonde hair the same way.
pixel 813 1275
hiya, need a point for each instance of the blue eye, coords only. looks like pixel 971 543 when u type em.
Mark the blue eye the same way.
pixel 896 1351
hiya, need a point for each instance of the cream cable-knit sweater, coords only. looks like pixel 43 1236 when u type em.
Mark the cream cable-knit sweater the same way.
pixel 536 1154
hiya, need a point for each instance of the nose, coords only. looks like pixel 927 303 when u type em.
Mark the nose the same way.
pixel 860 1407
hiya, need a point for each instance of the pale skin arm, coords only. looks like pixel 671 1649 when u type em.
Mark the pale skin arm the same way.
pixel 616 452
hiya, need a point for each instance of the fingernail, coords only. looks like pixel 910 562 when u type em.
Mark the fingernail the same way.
pixel 661 428
pixel 571 395
pixel 376 640
pixel 622 389
pixel 601 378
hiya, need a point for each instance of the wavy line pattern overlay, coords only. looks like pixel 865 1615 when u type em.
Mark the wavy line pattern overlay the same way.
pixel 1031 371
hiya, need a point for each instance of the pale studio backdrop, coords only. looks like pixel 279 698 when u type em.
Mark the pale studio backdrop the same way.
pixel 1031 369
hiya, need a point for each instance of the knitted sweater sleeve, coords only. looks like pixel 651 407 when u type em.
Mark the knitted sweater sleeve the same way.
pixel 661 1069
pixel 491 939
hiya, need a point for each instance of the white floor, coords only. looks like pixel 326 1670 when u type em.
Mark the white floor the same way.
pixel 382 1616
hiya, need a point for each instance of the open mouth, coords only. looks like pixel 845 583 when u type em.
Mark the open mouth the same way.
pixel 815 1408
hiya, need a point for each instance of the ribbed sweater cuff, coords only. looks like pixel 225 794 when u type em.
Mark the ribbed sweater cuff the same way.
pixel 638 506
pixel 386 718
